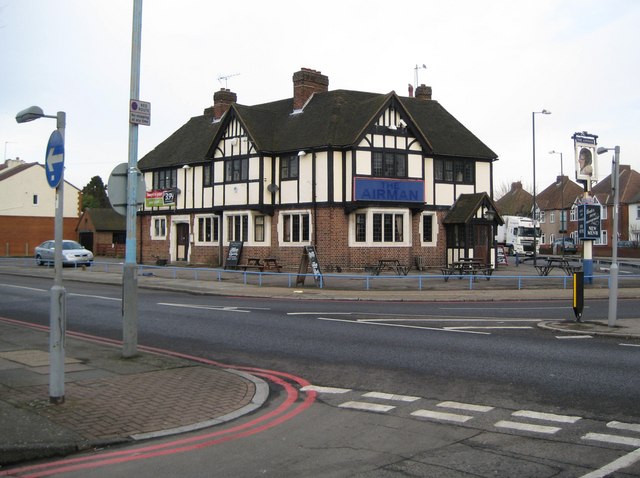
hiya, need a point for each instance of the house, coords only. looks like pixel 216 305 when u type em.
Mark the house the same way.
pixel 634 218
pixel 516 202
pixel 103 231
pixel 554 207
pixel 27 208
pixel 360 176
pixel 629 181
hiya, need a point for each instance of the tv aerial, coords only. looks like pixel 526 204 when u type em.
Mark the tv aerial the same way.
pixel 225 78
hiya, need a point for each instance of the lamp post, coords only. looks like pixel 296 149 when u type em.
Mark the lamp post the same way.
pixel 535 207
pixel 57 313
pixel 562 229
pixel 613 272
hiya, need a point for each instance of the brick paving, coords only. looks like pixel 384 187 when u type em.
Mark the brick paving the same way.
pixel 124 405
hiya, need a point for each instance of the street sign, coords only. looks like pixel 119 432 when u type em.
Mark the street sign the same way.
pixel 589 222
pixel 54 159
pixel 140 112
pixel 117 188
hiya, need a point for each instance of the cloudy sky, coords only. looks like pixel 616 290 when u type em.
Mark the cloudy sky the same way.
pixel 490 64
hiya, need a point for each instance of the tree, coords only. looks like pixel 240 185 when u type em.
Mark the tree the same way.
pixel 94 194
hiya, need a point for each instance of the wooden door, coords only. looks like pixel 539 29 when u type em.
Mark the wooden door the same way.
pixel 182 232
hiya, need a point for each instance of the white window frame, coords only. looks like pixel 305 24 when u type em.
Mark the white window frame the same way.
pixel 604 239
pixel 638 212
pixel 573 214
pixel 369 242
pixel 552 217
pixel 542 217
pixel 155 222
pixel 434 229
pixel 281 221
pixel 603 212
pixel 215 239
pixel 250 227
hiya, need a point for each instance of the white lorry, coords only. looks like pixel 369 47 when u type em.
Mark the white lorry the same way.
pixel 517 235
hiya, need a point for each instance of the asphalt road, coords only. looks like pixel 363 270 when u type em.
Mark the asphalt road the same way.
pixel 403 362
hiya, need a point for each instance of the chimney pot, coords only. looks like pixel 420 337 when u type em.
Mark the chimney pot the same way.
pixel 222 101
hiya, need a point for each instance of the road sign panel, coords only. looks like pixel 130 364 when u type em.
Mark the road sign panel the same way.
pixel 54 159
pixel 117 188
pixel 140 112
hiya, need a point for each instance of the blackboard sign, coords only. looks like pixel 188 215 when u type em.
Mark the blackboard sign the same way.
pixel 589 222
pixel 309 257
pixel 233 256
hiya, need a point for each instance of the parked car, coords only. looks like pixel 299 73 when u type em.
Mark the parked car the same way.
pixel 566 246
pixel 73 254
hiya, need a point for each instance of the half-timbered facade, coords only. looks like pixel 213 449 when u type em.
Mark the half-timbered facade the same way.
pixel 361 176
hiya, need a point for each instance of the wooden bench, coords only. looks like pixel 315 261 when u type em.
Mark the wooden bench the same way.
pixel 271 263
pixel 252 263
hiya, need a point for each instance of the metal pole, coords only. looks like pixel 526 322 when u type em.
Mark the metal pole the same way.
pixel 57 310
pixel 535 234
pixel 130 271
pixel 613 272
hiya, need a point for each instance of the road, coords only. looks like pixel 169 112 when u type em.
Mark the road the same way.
pixel 394 381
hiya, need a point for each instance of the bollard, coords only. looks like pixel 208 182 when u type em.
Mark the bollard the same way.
pixel 578 294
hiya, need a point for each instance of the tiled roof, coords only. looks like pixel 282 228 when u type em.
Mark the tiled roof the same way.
pixel 335 119
pixel 106 219
pixel 559 195
pixel 629 187
pixel 466 207
pixel 517 202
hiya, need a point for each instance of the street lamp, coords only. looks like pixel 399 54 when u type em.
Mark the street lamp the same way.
pixel 613 272
pixel 535 207
pixel 562 229
pixel 57 312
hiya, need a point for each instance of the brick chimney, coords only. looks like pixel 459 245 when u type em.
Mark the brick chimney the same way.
pixel 306 82
pixel 516 186
pixel 222 101
pixel 423 92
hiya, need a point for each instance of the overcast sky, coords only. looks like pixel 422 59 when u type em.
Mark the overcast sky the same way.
pixel 490 64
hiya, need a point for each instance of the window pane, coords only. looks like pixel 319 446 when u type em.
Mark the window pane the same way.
pixel 259 228
pixel 361 227
pixel 296 227
pixel 376 166
pixel 377 228
pixel 398 228
pixel 305 227
pixel 286 228
pixel 388 228
pixel 245 228
pixel 427 228
pixel 448 171
pixel 438 170
pixel 401 165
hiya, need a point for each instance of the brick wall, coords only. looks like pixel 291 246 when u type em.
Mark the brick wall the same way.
pixel 20 235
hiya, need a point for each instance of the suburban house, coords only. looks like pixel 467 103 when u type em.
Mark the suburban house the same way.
pixel 103 231
pixel 360 176
pixel 555 203
pixel 27 208
pixel 628 210
pixel 516 202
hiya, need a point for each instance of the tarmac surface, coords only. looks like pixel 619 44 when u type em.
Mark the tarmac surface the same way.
pixel 110 400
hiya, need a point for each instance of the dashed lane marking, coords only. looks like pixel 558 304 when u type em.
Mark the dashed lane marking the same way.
pixel 442 416
pixel 527 427
pixel 391 396
pixel 465 406
pixel 574 337
pixel 630 345
pixel 369 407
pixel 551 417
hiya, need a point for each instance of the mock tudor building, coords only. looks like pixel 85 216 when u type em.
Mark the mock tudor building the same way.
pixel 360 176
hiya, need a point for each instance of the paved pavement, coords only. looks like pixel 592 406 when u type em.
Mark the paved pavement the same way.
pixel 114 400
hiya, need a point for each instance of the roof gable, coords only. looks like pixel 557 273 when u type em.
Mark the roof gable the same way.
pixel 467 206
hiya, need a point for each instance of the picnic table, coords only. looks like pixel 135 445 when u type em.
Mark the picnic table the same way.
pixel 390 265
pixel 467 266
pixel 257 263
pixel 550 263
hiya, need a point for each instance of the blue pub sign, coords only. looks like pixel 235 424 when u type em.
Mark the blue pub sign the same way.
pixel 589 222
pixel 391 190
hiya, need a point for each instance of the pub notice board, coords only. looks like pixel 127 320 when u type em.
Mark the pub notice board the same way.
pixel 309 258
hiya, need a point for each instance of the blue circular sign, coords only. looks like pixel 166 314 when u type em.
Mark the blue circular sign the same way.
pixel 54 159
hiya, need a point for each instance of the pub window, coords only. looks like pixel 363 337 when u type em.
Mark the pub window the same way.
pixel 289 167
pixel 456 235
pixel 427 228
pixel 207 175
pixel 159 230
pixel 258 228
pixel 361 227
pixel 165 178
pixel 386 164
pixel 208 229
pixel 295 227
pixel 238 227
pixel 459 171
pixel 388 227
pixel 236 170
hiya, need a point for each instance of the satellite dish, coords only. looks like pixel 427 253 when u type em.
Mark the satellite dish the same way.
pixel 272 188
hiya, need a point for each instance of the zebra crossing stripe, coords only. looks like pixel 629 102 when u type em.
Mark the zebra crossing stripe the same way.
pixel 527 427
pixel 318 389
pixel 551 417
pixel 390 396
pixel 633 427
pixel 618 440
pixel 465 406
pixel 447 417
pixel 368 407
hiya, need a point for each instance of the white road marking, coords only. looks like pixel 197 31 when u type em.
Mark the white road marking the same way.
pixel 634 427
pixel 438 329
pixel 616 439
pixel 506 308
pixel 573 337
pixel 465 327
pixel 622 462
pixel 318 389
pixel 119 299
pixel 390 396
pixel 213 307
pixel 23 287
pixel 446 417
pixel 319 313
pixel 448 319
pixel 368 407
pixel 630 345
pixel 551 417
pixel 465 406
pixel 526 427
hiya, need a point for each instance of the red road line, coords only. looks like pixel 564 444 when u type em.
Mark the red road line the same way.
pixel 279 416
